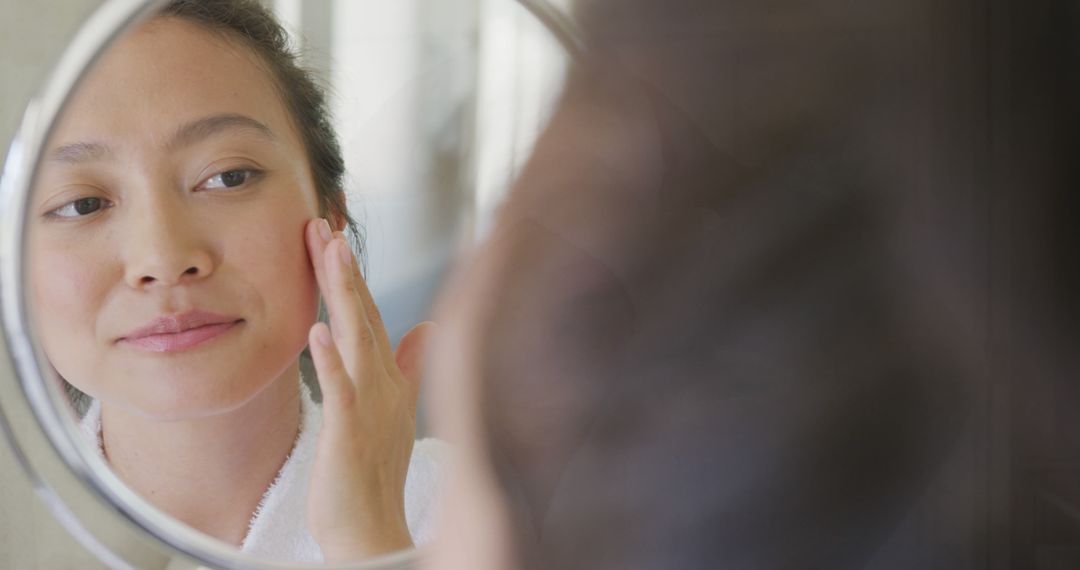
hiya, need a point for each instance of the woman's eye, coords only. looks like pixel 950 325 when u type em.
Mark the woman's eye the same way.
pixel 228 179
pixel 79 208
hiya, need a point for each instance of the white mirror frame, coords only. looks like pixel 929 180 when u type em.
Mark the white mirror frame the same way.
pixel 75 483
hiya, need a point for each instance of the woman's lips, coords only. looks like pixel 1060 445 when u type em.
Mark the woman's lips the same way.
pixel 179 332
pixel 175 342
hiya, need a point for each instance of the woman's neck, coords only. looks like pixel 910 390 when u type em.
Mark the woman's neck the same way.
pixel 209 472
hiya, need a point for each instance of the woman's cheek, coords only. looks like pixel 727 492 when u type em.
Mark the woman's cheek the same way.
pixel 59 280
pixel 65 299
pixel 287 279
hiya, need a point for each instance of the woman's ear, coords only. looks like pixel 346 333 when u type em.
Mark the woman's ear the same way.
pixel 337 222
pixel 337 219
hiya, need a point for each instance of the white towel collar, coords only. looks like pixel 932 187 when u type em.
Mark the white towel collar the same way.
pixel 278 528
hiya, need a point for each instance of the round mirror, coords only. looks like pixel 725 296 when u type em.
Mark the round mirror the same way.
pixel 215 218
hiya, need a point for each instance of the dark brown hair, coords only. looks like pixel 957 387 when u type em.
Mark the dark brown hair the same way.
pixel 799 291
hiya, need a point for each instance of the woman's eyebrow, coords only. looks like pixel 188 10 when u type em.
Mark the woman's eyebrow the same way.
pixel 78 152
pixel 207 127
pixel 186 135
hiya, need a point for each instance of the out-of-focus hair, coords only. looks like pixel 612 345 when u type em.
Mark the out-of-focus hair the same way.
pixel 794 287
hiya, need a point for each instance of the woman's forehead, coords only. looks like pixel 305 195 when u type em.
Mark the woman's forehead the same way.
pixel 165 75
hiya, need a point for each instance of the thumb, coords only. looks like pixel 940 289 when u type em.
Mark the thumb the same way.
pixel 411 351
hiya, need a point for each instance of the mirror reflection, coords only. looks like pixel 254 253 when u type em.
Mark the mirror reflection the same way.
pixel 198 254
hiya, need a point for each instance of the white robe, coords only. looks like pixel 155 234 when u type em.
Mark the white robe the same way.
pixel 278 528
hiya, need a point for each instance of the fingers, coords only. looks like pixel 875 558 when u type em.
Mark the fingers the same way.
pixel 334 379
pixel 355 320
pixel 371 311
pixel 331 260
pixel 349 324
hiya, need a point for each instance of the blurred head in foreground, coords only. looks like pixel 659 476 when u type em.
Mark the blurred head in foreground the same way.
pixel 779 294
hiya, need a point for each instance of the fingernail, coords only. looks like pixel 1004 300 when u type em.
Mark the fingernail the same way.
pixel 322 335
pixel 346 253
pixel 324 229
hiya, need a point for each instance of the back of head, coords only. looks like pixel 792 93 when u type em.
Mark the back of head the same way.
pixel 775 279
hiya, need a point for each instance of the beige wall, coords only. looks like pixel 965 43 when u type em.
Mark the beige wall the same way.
pixel 32 35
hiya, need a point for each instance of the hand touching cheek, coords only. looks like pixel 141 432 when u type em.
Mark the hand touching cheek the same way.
pixel 356 504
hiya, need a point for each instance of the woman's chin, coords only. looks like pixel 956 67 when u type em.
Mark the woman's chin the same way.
pixel 179 399
pixel 184 407
pixel 178 389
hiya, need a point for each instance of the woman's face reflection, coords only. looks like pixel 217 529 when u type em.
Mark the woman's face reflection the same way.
pixel 174 184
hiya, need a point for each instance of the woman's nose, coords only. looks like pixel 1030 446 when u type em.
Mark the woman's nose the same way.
pixel 165 247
